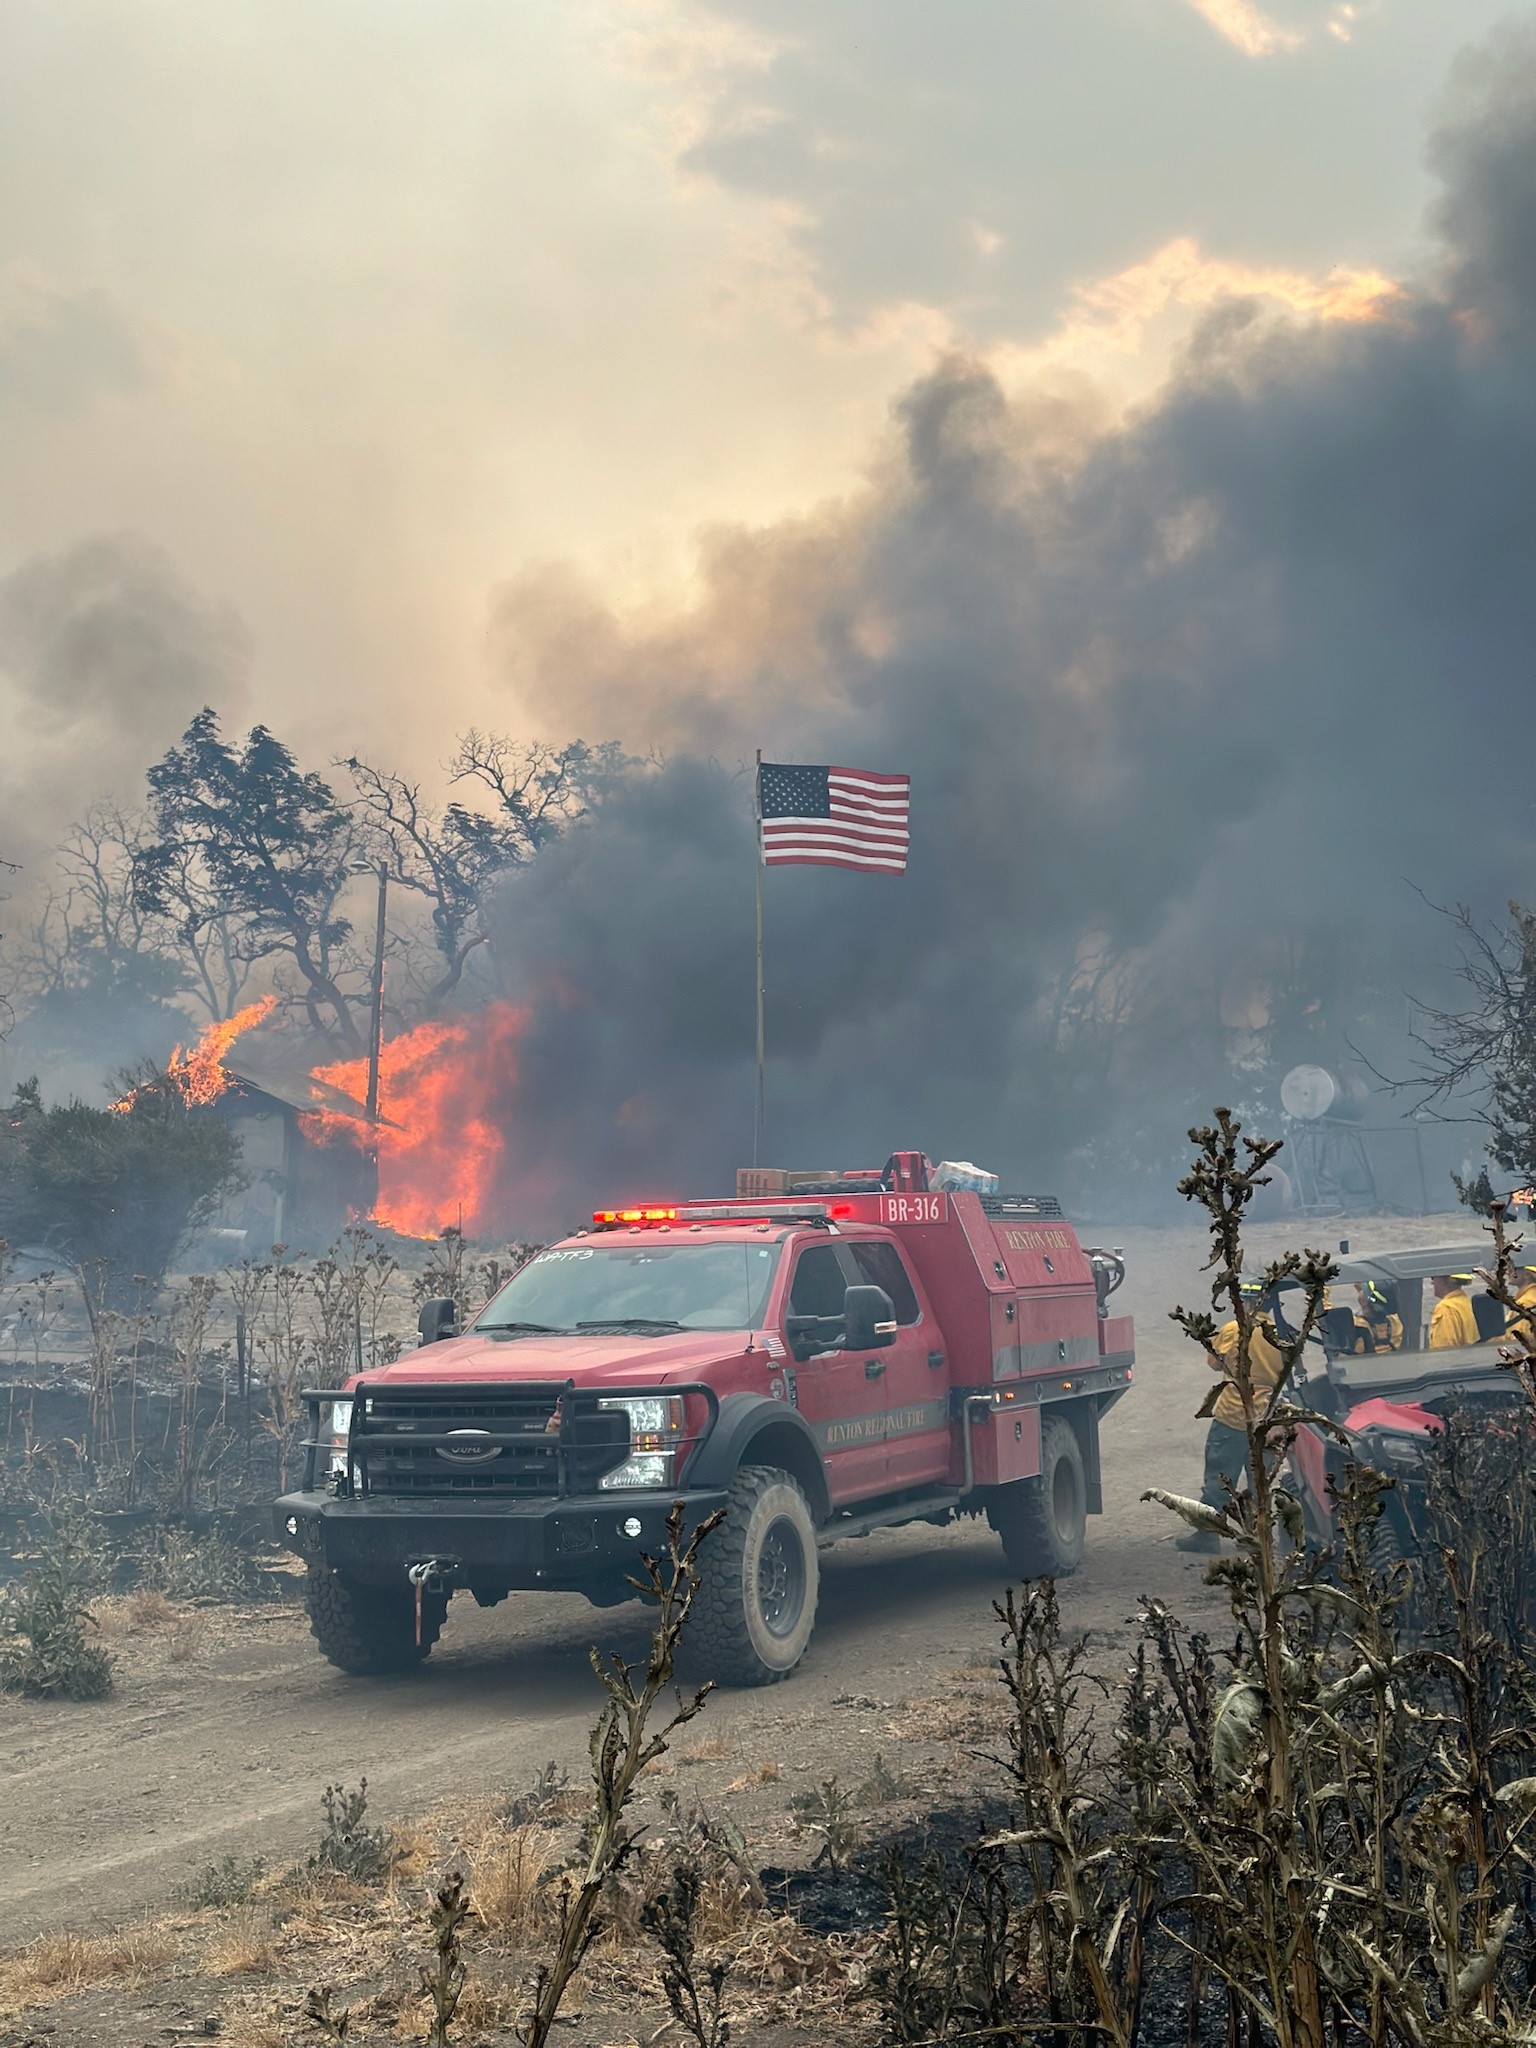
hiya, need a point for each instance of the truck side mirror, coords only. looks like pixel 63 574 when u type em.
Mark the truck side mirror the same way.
pixel 869 1318
pixel 809 1334
pixel 439 1318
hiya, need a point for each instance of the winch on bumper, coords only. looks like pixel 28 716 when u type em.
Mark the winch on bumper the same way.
pixel 500 1485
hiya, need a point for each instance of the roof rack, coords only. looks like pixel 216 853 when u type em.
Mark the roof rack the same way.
pixel 1020 1205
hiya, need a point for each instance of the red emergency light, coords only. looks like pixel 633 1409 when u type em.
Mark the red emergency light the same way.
pixel 634 1215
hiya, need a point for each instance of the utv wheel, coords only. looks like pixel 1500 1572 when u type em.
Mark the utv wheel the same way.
pixel 759 1577
pixel 371 1629
pixel 1043 1521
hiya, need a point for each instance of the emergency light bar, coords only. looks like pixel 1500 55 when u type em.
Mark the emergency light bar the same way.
pixel 768 1210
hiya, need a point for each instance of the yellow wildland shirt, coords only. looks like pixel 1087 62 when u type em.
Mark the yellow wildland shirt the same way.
pixel 1525 1312
pixel 1453 1322
pixel 1265 1367
pixel 1385 1332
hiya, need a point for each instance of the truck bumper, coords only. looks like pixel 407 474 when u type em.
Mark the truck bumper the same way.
pixel 492 1547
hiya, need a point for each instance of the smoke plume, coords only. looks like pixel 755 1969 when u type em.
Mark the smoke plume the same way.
pixel 105 653
pixel 1214 691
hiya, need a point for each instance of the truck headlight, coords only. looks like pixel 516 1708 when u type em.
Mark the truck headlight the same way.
pixel 336 1420
pixel 649 1468
pixel 655 1438
pixel 336 1428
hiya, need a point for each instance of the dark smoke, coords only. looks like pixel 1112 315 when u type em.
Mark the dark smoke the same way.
pixel 1227 689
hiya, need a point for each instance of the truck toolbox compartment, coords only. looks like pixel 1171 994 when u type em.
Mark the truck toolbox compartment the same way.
pixel 1005 1441
pixel 1117 1336
pixel 1043 1333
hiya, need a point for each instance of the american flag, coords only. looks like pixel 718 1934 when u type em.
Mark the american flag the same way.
pixel 833 818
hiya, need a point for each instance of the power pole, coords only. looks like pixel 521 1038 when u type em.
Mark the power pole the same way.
pixel 376 1024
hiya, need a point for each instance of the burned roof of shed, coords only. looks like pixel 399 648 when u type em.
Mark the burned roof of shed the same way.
pixel 295 1090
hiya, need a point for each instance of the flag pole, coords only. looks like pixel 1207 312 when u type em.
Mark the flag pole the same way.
pixel 757 855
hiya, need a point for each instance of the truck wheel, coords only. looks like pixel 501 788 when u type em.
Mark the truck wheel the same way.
pixel 370 1629
pixel 1043 1521
pixel 759 1577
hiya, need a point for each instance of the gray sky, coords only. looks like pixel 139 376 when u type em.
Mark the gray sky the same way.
pixel 346 312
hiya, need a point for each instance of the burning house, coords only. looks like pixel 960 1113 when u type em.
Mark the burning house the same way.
pixel 299 1190
pixel 300 1187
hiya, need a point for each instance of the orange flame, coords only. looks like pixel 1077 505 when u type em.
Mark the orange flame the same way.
pixel 198 1076
pixel 441 1149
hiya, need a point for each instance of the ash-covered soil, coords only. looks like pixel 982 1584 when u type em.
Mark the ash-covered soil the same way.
pixel 222 1731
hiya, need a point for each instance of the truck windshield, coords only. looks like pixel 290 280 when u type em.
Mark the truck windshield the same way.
pixel 665 1286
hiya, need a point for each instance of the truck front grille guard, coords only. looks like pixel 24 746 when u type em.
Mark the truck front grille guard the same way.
pixel 513 1439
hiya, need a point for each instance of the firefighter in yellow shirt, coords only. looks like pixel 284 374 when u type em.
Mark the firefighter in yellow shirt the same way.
pixel 1378 1327
pixel 1452 1324
pixel 1226 1445
pixel 1523 1280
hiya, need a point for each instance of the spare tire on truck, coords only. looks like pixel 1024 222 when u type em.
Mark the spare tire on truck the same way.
pixel 371 1629
pixel 1043 1522
pixel 759 1579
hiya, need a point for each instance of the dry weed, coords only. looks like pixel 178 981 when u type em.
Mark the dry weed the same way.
pixel 187 1641
pixel 413 1850
pixel 145 1612
pixel 149 1608
pixel 728 1906
pixel 253 2025
pixel 507 1880
pixel 314 1902
pixel 949 1718
pixel 714 1749
pixel 484 2010
pixel 765 1774
pixel 56 1964
pixel 244 1948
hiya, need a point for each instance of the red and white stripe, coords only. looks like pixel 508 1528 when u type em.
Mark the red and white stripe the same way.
pixel 868 828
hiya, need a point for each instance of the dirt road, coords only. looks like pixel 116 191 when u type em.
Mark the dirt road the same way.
pixel 108 1806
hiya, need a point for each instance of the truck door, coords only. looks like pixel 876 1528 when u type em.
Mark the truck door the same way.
pixel 915 1375
pixel 845 1409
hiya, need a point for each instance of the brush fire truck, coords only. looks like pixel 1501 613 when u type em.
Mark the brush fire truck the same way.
pixel 845 1353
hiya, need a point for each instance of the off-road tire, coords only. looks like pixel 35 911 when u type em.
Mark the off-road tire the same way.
pixel 759 1576
pixel 1043 1522
pixel 370 1629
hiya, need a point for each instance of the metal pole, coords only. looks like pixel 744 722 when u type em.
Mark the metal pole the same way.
pixel 757 855
pixel 376 1025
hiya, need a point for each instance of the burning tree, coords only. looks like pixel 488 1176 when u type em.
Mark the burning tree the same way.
pixel 242 833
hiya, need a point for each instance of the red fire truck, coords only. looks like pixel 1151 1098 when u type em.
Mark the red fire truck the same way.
pixel 850 1353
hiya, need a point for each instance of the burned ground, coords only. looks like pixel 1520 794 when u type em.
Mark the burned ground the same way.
pixel 226 1724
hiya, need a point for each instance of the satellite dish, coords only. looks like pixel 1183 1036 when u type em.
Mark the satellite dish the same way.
pixel 1308 1093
